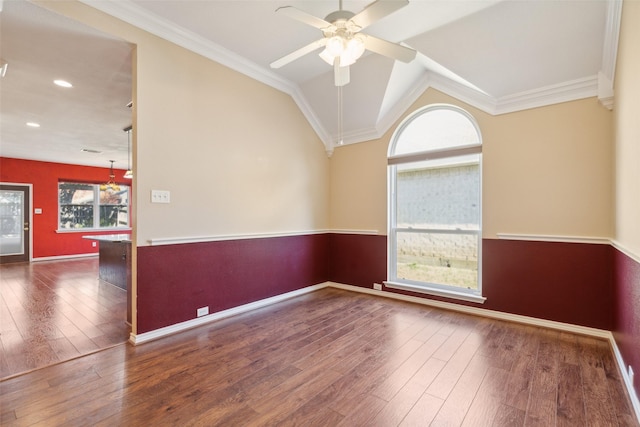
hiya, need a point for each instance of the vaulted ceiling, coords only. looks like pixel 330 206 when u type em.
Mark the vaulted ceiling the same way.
pixel 499 56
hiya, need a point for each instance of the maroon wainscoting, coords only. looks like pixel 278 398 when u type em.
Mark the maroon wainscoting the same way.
pixel 175 280
pixel 626 328
pixel 357 259
pixel 564 282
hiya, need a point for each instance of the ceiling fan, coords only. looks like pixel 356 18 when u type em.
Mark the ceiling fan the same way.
pixel 342 40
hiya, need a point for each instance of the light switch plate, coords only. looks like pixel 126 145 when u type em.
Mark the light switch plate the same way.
pixel 160 196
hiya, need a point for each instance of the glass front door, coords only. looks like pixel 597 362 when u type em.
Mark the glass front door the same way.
pixel 14 223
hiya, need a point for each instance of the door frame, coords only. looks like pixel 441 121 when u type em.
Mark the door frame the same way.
pixel 29 188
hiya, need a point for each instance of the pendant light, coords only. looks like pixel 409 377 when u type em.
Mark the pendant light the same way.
pixel 111 184
pixel 129 173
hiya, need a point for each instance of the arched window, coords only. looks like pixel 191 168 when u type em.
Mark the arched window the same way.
pixel 435 175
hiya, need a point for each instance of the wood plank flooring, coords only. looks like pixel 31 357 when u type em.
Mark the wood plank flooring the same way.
pixel 53 311
pixel 333 358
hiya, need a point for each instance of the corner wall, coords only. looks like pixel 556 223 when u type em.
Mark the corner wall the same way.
pixel 626 282
pixel 238 158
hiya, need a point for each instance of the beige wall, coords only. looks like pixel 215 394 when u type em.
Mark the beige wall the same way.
pixel 250 163
pixel 237 156
pixel 546 171
pixel 627 129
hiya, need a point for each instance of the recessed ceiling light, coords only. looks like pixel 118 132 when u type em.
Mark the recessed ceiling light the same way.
pixel 63 83
pixel 33 124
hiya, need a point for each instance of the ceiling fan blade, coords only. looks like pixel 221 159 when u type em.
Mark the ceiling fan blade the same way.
pixel 341 74
pixel 303 17
pixel 392 50
pixel 299 53
pixel 376 11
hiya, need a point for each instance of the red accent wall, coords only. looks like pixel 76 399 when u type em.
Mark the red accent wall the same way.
pixel 44 176
pixel 626 327
pixel 175 280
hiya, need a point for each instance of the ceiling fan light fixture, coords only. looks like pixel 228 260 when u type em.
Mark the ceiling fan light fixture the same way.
pixel 354 50
pixel 335 46
pixel 326 56
pixel 343 43
pixel 348 49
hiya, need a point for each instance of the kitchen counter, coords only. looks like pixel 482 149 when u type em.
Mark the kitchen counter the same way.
pixel 114 259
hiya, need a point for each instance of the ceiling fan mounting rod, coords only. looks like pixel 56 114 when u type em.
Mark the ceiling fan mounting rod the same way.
pixel 339 16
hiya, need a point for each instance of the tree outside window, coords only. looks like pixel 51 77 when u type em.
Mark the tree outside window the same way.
pixel 88 206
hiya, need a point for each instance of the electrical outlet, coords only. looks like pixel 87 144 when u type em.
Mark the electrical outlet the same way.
pixel 377 286
pixel 160 196
pixel 94 244
pixel 630 371
pixel 203 311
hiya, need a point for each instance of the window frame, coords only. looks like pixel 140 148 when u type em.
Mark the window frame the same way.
pixel 96 209
pixel 449 291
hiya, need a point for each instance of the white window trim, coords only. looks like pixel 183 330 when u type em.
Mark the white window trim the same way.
pixel 96 206
pixel 433 289
pixel 434 154
pixel 91 230
pixel 393 160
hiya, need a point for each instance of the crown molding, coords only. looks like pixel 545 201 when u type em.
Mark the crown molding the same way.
pixel 572 90
pixel 133 14
pixel 567 91
pixel 312 118
pixel 609 53
pixel 605 91
pixel 611 35
pixel 471 96
pixel 402 106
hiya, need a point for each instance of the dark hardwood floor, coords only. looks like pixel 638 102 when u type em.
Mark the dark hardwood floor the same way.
pixel 333 358
pixel 53 311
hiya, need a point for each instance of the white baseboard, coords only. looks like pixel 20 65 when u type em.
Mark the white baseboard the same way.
pixel 635 401
pixel 549 324
pixel 136 339
pixel 62 257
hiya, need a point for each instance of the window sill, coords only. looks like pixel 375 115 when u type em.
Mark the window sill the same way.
pixel 92 230
pixel 463 296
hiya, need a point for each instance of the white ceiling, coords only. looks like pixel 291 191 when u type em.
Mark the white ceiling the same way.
pixel 499 56
pixel 40 47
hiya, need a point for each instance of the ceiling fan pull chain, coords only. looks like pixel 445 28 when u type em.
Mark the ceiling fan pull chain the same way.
pixel 340 136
